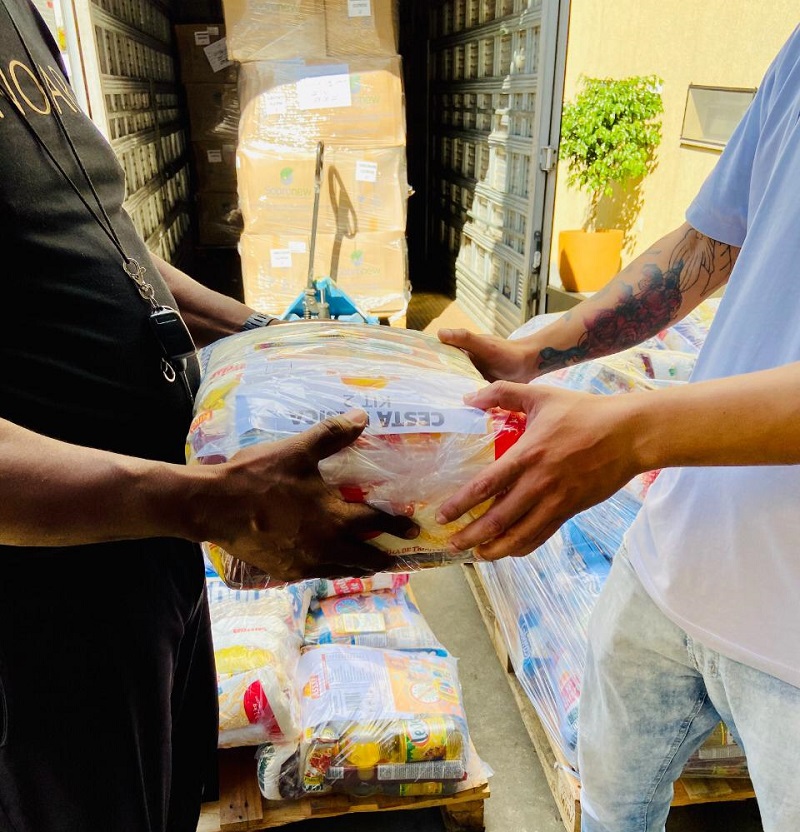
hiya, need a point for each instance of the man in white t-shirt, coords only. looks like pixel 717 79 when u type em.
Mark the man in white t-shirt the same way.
pixel 699 619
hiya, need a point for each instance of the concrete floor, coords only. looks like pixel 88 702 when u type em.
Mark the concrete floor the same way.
pixel 520 797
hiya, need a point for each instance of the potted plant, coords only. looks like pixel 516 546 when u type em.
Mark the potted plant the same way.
pixel 609 135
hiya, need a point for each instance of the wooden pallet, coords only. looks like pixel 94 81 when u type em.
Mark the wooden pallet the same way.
pixel 563 782
pixel 241 807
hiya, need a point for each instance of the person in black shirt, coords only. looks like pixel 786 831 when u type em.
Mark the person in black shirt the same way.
pixel 108 703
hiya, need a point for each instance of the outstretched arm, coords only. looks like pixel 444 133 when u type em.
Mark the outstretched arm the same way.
pixel 268 505
pixel 580 448
pixel 657 289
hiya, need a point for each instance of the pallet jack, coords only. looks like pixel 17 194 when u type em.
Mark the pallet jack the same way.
pixel 322 299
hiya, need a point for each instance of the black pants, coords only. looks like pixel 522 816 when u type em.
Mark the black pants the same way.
pixel 108 702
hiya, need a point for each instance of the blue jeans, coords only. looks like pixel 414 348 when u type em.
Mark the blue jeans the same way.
pixel 651 695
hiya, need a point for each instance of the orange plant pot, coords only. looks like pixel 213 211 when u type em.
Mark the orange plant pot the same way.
pixel 587 260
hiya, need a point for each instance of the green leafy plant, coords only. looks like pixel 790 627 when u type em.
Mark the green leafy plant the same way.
pixel 609 134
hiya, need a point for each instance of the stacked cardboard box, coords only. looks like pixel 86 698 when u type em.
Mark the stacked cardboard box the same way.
pixel 320 71
pixel 212 97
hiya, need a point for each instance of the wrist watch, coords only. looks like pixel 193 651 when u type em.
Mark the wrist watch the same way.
pixel 256 320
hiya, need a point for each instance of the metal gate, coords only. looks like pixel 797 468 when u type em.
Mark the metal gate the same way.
pixel 496 70
pixel 123 68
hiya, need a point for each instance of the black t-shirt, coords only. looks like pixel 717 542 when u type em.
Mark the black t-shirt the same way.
pixel 78 359
pixel 119 671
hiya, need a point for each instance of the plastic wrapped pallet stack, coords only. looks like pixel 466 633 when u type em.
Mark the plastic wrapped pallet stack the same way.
pixel 210 86
pixel 320 71
pixel 543 600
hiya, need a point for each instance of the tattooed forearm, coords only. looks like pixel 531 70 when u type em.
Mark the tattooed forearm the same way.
pixel 635 317
pixel 652 301
pixel 702 262
pixel 551 359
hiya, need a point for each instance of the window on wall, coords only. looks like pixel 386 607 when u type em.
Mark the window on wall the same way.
pixel 712 113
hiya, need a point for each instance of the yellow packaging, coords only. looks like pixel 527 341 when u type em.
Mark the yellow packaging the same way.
pixel 372 269
pixel 354 102
pixel 361 27
pixel 274 29
pixel 432 738
pixel 362 190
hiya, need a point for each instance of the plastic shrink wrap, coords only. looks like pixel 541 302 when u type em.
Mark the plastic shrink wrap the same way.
pixel 328 587
pixel 543 600
pixel 347 102
pixel 257 637
pixel 362 190
pixel 371 269
pixel 422 442
pixel 688 335
pixel 386 618
pixel 374 722
pixel 282 29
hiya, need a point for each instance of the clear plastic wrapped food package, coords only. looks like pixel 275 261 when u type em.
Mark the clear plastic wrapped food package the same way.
pixel 719 756
pixel 374 722
pixel 386 618
pixel 328 587
pixel 543 602
pixel 421 443
pixel 633 369
pixel 257 637
pixel 604 525
pixel 689 334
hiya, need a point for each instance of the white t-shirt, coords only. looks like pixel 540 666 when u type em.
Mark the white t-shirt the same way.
pixel 718 548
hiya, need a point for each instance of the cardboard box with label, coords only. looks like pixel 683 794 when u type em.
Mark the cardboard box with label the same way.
pixel 372 269
pixel 203 54
pixel 214 165
pixel 213 112
pixel 219 221
pixel 357 102
pixel 274 29
pixel 360 27
pixel 362 189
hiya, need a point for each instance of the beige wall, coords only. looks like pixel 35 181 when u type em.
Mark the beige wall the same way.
pixel 717 42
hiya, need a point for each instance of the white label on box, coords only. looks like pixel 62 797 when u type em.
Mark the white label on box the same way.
pixel 214 156
pixel 324 86
pixel 202 37
pixel 359 8
pixel 280 258
pixel 212 30
pixel 217 54
pixel 273 102
pixel 366 171
pixel 298 247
